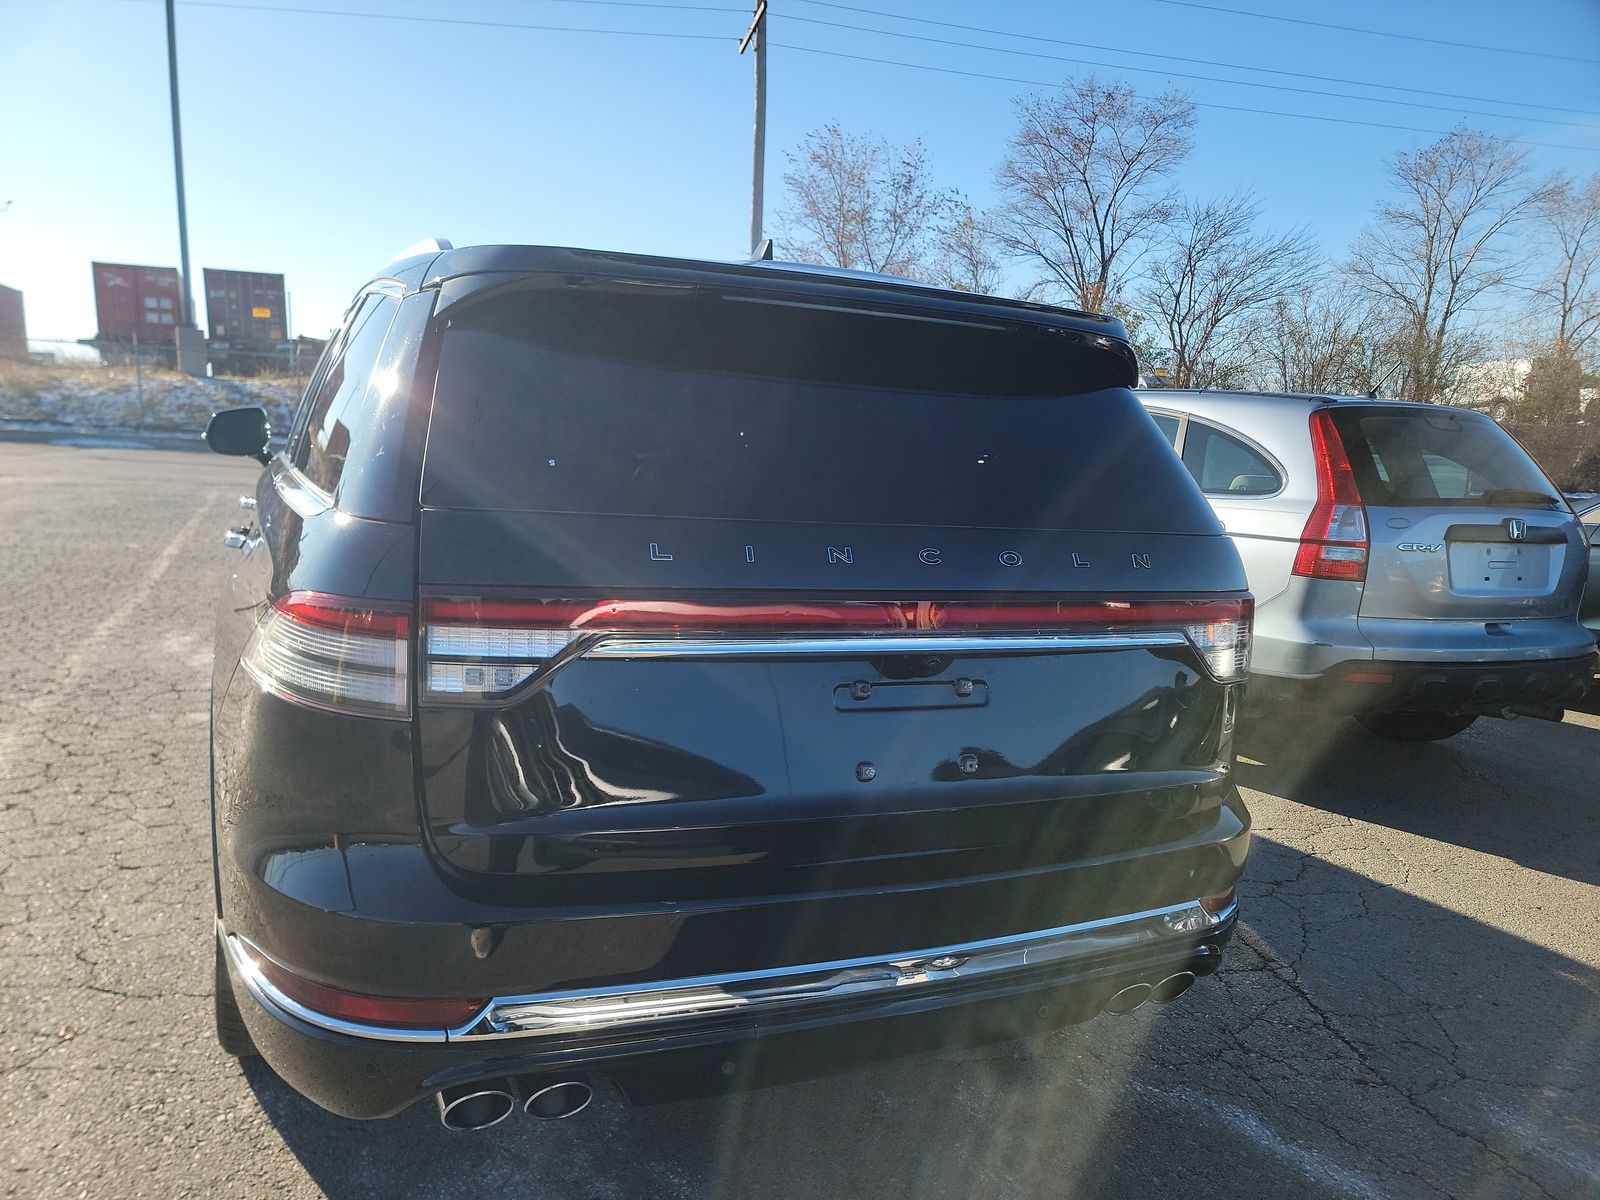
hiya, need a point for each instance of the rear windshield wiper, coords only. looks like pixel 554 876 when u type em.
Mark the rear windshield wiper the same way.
pixel 1518 496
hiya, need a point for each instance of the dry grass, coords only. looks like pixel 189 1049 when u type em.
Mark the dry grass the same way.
pixel 26 379
pixel 85 394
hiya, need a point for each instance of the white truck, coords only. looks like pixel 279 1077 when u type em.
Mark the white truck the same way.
pixel 1500 388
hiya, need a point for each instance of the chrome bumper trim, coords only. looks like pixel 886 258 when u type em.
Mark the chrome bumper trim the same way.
pixel 241 956
pixel 566 1013
pixel 632 646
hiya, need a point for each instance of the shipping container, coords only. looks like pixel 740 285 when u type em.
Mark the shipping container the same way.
pixel 13 328
pixel 245 310
pixel 134 301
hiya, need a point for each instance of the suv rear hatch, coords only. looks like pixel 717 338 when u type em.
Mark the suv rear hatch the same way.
pixel 1463 524
pixel 738 591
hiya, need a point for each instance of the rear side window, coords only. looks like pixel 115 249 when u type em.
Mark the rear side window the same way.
pixel 340 413
pixel 1426 456
pixel 1168 424
pixel 1223 464
pixel 658 402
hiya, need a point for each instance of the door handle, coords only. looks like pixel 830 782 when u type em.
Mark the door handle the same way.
pixel 247 502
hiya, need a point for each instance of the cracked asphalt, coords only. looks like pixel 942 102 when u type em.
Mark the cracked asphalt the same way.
pixel 1411 1009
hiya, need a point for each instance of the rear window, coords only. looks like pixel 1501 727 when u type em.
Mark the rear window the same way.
pixel 671 402
pixel 1425 457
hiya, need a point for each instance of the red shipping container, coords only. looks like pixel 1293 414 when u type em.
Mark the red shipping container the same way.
pixel 131 300
pixel 13 327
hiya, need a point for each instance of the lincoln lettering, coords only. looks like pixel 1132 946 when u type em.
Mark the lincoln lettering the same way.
pixel 933 556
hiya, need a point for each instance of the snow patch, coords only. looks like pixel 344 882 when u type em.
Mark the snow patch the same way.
pixel 104 399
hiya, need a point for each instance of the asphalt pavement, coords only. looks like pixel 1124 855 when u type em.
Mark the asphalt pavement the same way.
pixel 1411 1008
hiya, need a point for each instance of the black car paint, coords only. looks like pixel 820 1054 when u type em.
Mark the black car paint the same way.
pixel 329 860
pixel 355 1077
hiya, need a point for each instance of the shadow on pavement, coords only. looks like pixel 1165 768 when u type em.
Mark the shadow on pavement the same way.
pixel 1525 790
pixel 1360 1042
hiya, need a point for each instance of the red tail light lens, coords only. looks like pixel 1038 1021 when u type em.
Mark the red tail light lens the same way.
pixel 1218 629
pixel 483 648
pixel 334 652
pixel 1334 543
pixel 513 639
pixel 391 1012
pixel 580 615
pixel 1109 614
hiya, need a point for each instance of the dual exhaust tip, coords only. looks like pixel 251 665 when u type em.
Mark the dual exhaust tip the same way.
pixel 479 1105
pixel 1135 994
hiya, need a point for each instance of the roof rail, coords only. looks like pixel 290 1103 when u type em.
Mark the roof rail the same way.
pixel 425 246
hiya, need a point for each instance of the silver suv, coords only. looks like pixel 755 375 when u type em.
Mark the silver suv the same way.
pixel 1411 564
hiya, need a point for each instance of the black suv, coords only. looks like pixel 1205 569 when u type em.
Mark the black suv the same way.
pixel 692 675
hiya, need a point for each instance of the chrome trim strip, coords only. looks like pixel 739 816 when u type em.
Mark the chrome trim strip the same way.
pixel 586 1011
pixel 270 997
pixel 856 645
pixel 549 1014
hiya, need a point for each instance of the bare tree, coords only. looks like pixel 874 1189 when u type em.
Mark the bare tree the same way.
pixel 859 202
pixel 1087 184
pixel 968 253
pixel 1433 254
pixel 1216 270
pixel 1323 339
pixel 1569 216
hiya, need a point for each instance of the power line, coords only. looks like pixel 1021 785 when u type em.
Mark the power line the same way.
pixel 328 12
pixel 1089 62
pixel 1204 62
pixel 1267 112
pixel 375 16
pixel 1408 37
pixel 716 8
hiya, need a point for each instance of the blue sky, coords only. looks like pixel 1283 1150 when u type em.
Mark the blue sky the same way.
pixel 318 145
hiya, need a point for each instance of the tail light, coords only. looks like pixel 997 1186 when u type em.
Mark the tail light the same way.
pixel 333 652
pixel 1334 544
pixel 1218 629
pixel 321 1003
pixel 484 648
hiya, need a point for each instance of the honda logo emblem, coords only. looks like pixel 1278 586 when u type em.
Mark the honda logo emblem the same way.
pixel 1516 529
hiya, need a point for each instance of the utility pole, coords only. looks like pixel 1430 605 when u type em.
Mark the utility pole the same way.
pixel 758 165
pixel 185 300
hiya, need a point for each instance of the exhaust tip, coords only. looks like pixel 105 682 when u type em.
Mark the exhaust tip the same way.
pixel 1172 987
pixel 1129 998
pixel 551 1101
pixel 474 1105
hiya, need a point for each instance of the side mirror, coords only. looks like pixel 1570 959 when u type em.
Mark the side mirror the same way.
pixel 240 431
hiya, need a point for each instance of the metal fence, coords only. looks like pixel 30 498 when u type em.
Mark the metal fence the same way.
pixel 122 386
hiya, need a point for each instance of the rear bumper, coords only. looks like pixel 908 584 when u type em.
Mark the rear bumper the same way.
pixel 943 998
pixel 1313 628
pixel 1368 685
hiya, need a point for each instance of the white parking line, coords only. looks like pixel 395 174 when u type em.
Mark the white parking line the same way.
pixel 1316 1166
pixel 1548 1144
